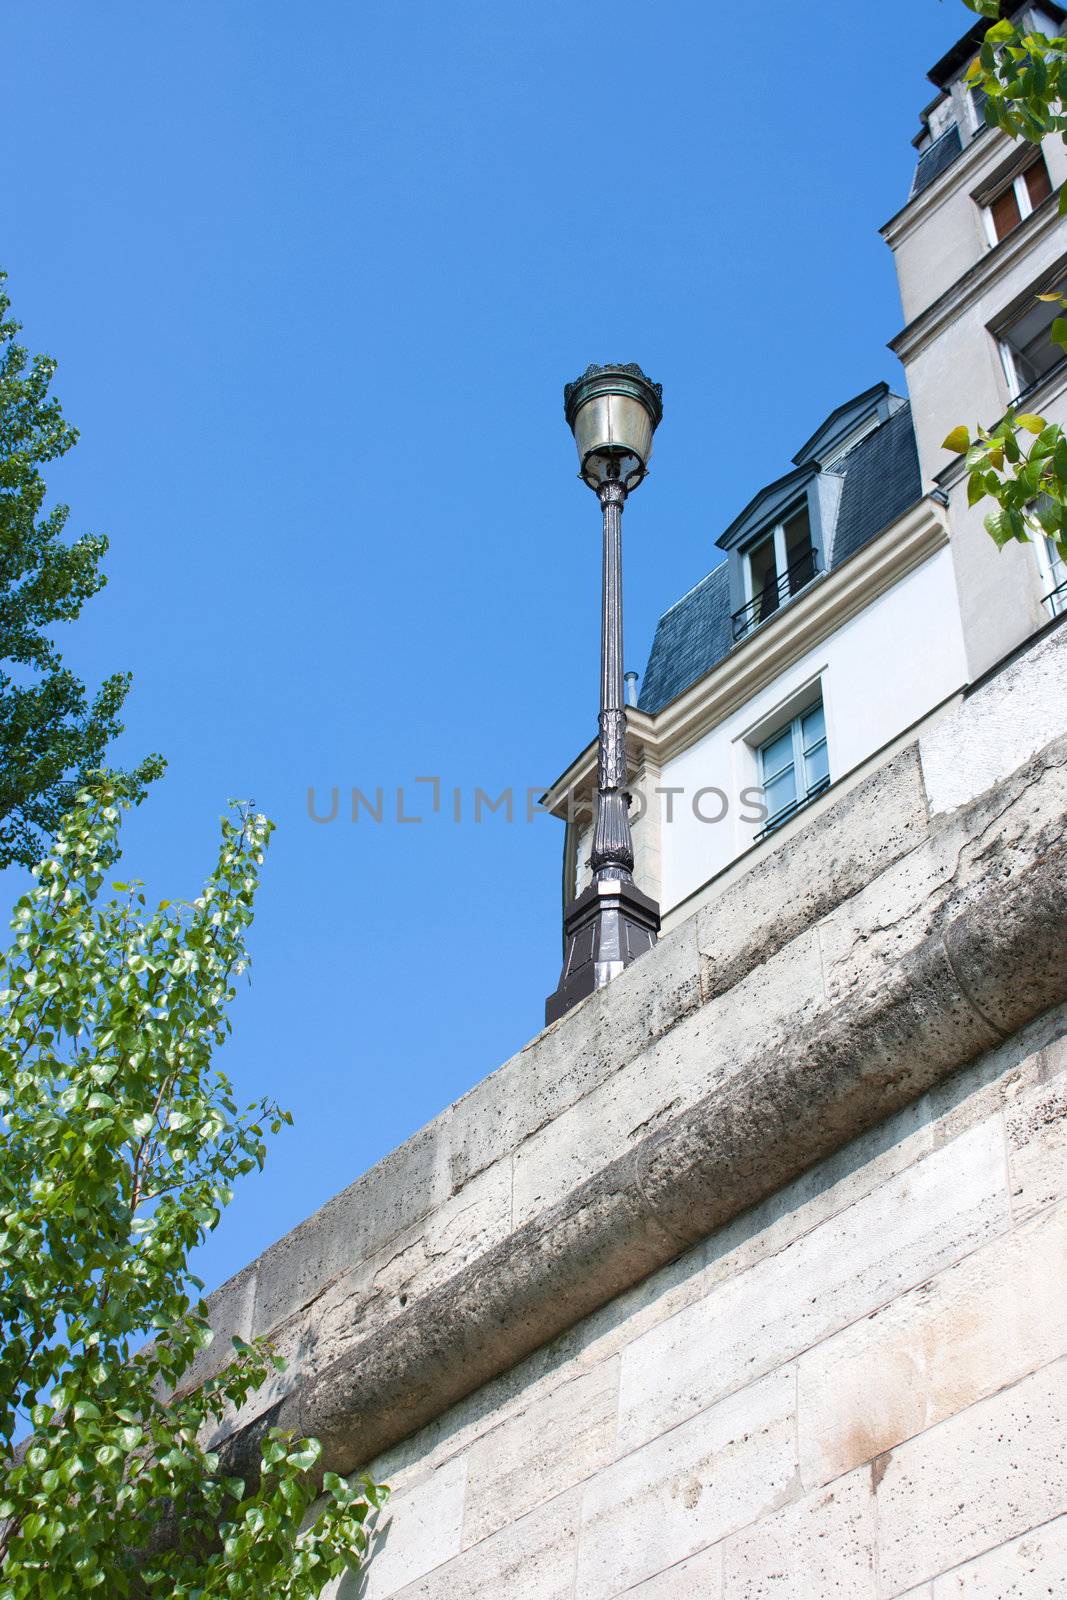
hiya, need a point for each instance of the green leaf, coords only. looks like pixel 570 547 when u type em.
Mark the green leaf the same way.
pixel 110 1465
pixel 976 488
pixel 303 1460
pixel 998 525
pixel 1052 516
pixel 958 440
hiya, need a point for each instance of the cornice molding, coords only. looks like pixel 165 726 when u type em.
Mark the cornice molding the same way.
pixel 914 212
pixel 799 627
pixel 975 281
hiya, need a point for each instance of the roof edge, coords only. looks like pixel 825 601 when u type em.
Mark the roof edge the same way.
pixel 942 72
pixel 861 404
pixel 736 529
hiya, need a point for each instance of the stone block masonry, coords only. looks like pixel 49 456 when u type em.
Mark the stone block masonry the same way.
pixel 748 1277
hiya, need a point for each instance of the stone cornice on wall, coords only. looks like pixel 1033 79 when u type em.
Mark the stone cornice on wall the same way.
pixel 995 264
pixel 913 926
pixel 979 153
pixel 812 617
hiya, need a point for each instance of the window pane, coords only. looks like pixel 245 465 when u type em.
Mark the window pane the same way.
pixel 1057 565
pixel 816 765
pixel 1038 186
pixel 797 530
pixel 1038 356
pixel 1027 338
pixel 764 573
pixel 1005 213
pixel 781 792
pixel 1056 591
pixel 1027 341
pixel 813 726
pixel 777 754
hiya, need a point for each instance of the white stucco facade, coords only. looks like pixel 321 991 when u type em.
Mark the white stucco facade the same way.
pixel 876 675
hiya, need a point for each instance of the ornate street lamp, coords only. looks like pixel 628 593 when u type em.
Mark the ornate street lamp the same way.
pixel 613 412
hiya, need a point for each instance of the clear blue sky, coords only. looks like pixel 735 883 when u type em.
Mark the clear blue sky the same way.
pixel 315 276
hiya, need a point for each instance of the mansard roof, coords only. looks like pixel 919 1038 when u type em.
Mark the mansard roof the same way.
pixel 935 159
pixel 881 481
pixel 939 154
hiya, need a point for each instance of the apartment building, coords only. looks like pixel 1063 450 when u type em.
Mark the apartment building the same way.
pixel 858 592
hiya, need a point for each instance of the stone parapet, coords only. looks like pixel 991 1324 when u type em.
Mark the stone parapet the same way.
pixel 910 929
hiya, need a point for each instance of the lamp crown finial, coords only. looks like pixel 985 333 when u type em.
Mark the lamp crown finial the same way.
pixel 627 369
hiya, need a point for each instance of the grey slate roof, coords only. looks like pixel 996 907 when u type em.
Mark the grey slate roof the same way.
pixel 690 638
pixel 882 480
pixel 932 163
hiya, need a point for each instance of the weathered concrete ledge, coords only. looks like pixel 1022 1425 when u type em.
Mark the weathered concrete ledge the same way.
pixel 668 1104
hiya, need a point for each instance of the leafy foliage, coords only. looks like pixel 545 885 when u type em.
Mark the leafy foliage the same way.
pixel 120 1142
pixel 1028 485
pixel 1024 76
pixel 51 734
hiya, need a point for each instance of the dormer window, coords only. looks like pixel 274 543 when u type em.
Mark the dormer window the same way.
pixel 1017 198
pixel 776 566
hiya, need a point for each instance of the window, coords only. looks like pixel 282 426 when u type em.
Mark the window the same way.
pixel 1026 349
pixel 775 568
pixel 977 98
pixel 1023 194
pixel 1053 571
pixel 794 766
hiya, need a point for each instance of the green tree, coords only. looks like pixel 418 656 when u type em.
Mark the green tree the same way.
pixel 51 733
pixel 1020 463
pixel 119 1143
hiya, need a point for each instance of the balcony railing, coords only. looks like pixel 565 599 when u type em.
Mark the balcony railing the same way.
pixel 792 808
pixel 774 595
pixel 1056 599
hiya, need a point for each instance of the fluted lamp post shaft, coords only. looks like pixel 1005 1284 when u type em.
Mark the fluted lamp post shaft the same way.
pixel 613 851
pixel 613 412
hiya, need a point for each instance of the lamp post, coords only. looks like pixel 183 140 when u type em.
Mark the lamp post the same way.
pixel 613 412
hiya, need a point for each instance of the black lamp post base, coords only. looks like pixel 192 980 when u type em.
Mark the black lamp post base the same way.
pixel 609 925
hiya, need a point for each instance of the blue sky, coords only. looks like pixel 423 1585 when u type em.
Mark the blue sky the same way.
pixel 315 277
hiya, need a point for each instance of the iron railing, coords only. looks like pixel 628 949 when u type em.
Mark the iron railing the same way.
pixel 1042 378
pixel 772 596
pixel 1056 599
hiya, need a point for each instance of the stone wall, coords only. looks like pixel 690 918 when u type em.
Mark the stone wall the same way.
pixel 747 1277
pixel 854 1389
